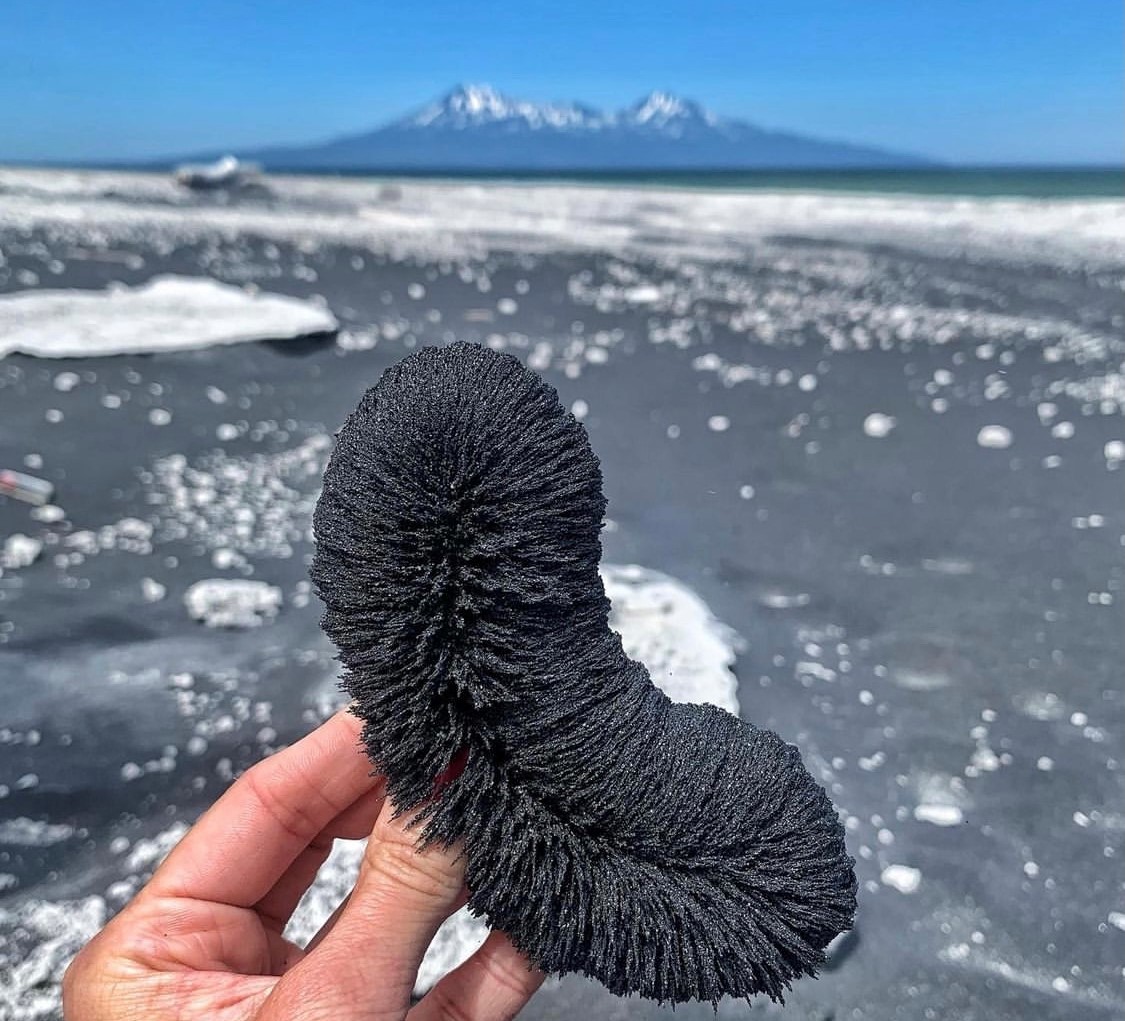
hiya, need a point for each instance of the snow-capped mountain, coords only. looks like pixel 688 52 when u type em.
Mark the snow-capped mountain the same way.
pixel 474 127
pixel 662 111
pixel 474 105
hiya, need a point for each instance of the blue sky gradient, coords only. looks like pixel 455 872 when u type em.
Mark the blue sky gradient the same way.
pixel 967 81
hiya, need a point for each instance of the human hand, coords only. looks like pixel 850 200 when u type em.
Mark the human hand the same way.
pixel 204 938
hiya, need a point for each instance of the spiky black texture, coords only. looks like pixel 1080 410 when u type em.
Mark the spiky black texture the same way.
pixel 670 850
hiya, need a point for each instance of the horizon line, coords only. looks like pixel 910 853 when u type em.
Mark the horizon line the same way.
pixel 936 166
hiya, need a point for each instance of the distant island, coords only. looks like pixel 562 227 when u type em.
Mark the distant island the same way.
pixel 476 128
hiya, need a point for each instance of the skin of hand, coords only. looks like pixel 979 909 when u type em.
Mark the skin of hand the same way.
pixel 204 938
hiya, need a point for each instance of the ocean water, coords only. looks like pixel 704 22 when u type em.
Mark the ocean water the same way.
pixel 1019 182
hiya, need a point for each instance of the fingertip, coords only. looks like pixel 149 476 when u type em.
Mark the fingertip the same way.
pixel 349 719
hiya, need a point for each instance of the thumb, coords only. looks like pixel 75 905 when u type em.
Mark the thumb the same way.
pixel 365 965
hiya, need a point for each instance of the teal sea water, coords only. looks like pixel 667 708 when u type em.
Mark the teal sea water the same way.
pixel 1038 182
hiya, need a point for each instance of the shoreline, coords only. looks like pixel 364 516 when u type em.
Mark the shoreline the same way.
pixel 450 218
pixel 1000 182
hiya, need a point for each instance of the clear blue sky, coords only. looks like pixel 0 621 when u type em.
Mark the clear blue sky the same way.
pixel 982 81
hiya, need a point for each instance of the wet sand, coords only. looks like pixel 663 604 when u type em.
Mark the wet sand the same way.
pixel 930 600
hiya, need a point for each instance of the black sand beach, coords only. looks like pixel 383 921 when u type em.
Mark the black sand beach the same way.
pixel 892 465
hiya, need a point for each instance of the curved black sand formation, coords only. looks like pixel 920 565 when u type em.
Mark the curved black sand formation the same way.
pixel 670 850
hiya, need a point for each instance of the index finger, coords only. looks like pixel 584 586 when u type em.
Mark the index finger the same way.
pixel 243 844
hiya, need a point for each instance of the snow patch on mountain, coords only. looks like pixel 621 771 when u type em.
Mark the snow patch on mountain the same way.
pixel 660 109
pixel 473 106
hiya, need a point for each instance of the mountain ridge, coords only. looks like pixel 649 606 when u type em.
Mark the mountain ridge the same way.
pixel 474 127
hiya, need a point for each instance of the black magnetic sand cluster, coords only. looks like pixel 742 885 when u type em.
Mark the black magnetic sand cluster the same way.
pixel 670 850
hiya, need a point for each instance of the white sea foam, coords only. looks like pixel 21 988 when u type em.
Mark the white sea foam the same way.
pixel 878 425
pixel 170 313
pixel 666 626
pixel 942 798
pixel 24 832
pixel 939 815
pixel 51 934
pixel 19 550
pixel 457 218
pixel 152 590
pixel 240 505
pixel 903 878
pixel 232 602
pixel 996 437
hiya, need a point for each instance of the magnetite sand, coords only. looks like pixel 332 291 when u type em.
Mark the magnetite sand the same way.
pixel 664 849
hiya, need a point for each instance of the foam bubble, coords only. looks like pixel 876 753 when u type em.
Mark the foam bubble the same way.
pixel 903 878
pixel 878 425
pixel 19 550
pixel 939 815
pixel 995 437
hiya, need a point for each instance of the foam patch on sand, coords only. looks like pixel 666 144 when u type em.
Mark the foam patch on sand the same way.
pixel 232 602
pixel 662 622
pixel 169 313
pixel 24 832
pixel 19 550
pixel 666 626
pixel 44 938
